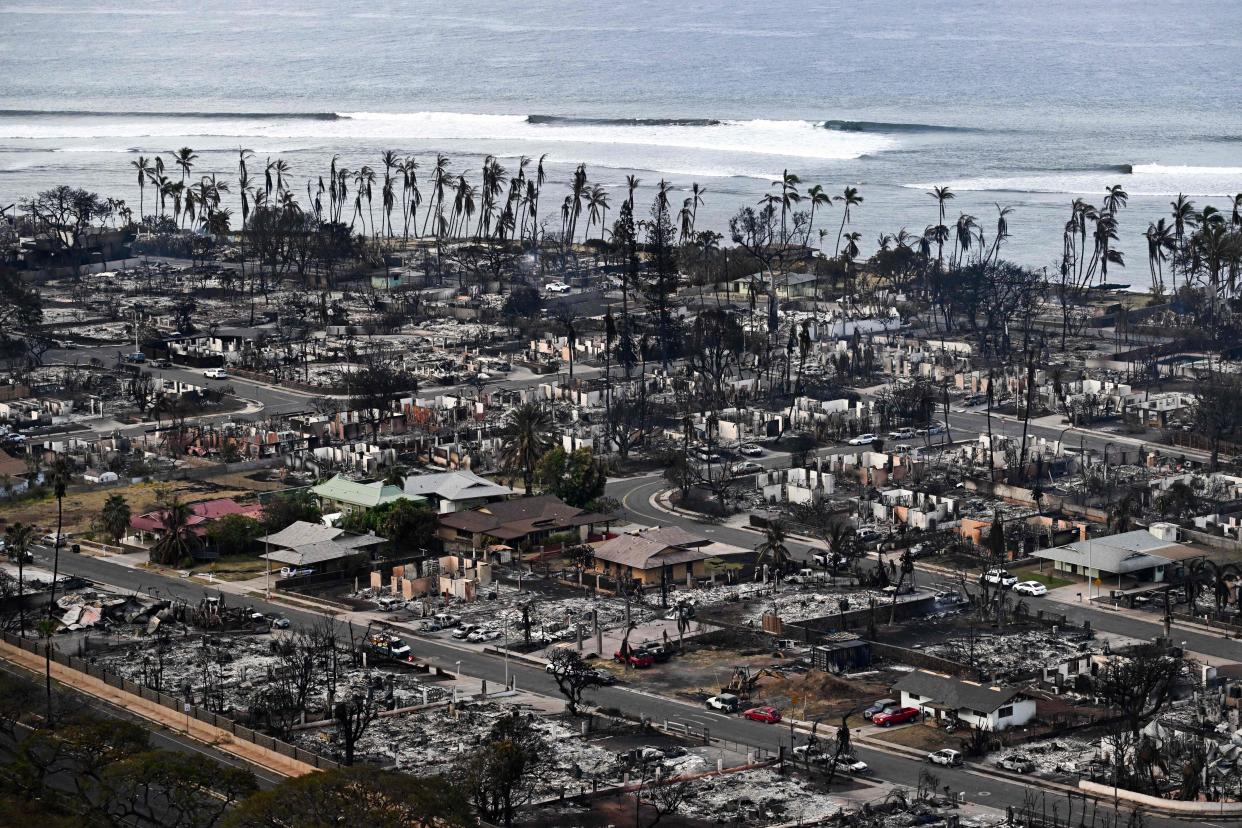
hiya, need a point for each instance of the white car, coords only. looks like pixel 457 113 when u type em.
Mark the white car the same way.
pixel 945 757
pixel 852 764
pixel 999 577
pixel 557 287
pixel 215 373
pixel 862 440
pixel 747 467
pixel 726 702
pixel 751 450
pixel 1034 588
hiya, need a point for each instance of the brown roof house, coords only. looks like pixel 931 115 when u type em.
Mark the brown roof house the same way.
pixel 304 545
pixel 525 521
pixel 660 554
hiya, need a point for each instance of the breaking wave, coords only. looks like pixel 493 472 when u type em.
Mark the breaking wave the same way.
pixel 570 120
pixel 238 116
pixel 884 126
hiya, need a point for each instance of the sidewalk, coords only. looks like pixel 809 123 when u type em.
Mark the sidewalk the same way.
pixel 159 715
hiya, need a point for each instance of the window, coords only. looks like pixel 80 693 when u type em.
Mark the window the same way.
pixel 1005 712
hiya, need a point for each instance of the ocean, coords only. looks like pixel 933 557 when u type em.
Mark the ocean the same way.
pixel 1021 104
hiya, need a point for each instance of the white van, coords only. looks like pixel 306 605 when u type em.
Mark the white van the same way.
pixel 215 373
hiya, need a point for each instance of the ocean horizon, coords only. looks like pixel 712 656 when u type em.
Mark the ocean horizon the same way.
pixel 1035 114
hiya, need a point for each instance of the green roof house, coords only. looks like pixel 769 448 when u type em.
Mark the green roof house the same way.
pixel 340 494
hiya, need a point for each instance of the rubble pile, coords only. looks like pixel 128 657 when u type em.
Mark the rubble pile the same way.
pixel 435 741
pixel 1010 656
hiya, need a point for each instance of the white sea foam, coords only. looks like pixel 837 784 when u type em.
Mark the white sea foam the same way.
pixel 1158 180
pixel 788 139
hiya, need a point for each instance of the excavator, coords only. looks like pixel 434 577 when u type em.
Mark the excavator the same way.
pixel 743 681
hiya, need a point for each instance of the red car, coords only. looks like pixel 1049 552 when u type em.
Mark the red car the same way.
pixel 899 716
pixel 638 658
pixel 763 714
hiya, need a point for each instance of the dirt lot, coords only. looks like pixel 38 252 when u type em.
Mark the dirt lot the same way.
pixel 704 670
pixel 83 505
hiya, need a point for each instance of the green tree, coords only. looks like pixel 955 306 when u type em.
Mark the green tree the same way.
pixel 577 477
pixel 290 507
pixel 114 517
pixel 502 773
pixel 18 539
pixel 234 534
pixel 177 541
pixel 773 549
pixel 355 796
pixel 525 437
pixel 407 524
pixel 173 789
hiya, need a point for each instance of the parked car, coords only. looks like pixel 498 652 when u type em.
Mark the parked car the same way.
pixel 763 714
pixel 280 622
pixel 725 702
pixel 899 716
pixel 812 754
pixel 862 439
pixel 638 658
pixel 482 634
pixel 902 434
pixel 999 577
pixel 162 363
pixel 880 706
pixel 1030 588
pixel 946 757
pixel 657 650
pixel 747 467
pixel 867 534
pixel 906 588
pixel 385 645
pixel 215 373
pixel 750 450
pixel 464 630
pixel 557 287
pixel 53 540
pixel 1017 763
pixel 604 677
pixel 852 764
pixel 136 356
pixel 805 575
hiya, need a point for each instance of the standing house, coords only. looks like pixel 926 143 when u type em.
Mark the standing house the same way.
pixel 527 521
pixel 978 705
pixel 1139 555
pixel 318 547
pixel 661 554
pixel 340 494
pixel 456 491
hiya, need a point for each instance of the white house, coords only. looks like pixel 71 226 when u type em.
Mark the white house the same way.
pixel 978 705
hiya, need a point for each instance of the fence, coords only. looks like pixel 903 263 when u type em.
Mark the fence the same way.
pixel 174 703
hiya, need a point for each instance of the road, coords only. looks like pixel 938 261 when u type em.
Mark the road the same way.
pixel 984 789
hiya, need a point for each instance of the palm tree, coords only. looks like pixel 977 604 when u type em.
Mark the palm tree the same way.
pixel 942 195
pixel 818 197
pixel 1115 198
pixel 59 475
pixel 631 184
pixel 597 209
pixel 184 158
pixel 773 549
pixel 526 436
pixel 789 197
pixel 963 238
pixel 114 517
pixel 143 166
pixel 395 476
pixel 18 539
pixel 850 198
pixel 1002 230
pixel 177 541
pixel 1160 239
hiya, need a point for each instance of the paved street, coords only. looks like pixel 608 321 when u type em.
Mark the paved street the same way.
pixel 979 788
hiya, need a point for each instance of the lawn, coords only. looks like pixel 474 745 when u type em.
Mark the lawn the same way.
pixel 234 568
pixel 1048 577
pixel 921 736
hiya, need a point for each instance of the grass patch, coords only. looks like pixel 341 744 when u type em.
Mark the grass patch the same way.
pixel 233 568
pixel 1047 578
pixel 921 736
